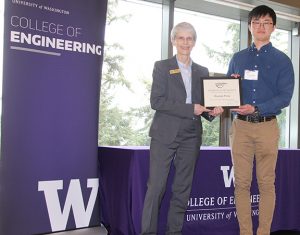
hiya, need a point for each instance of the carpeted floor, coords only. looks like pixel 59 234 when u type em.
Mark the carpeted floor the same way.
pixel 84 231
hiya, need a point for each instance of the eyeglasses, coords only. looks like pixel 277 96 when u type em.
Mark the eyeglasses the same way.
pixel 257 24
pixel 183 39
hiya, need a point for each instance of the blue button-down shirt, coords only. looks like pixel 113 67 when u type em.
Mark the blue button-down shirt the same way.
pixel 273 89
pixel 186 73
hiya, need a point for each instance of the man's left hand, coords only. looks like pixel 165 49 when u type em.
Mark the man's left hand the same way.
pixel 244 109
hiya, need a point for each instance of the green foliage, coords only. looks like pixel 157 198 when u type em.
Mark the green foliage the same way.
pixel 143 116
pixel 223 55
pixel 113 122
pixel 116 126
pixel 113 127
pixel 111 17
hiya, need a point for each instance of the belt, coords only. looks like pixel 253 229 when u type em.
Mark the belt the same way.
pixel 255 118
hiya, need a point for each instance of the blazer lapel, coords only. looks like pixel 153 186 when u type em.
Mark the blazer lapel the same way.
pixel 195 75
pixel 175 73
pixel 197 93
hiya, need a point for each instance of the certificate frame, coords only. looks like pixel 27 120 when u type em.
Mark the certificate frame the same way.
pixel 221 91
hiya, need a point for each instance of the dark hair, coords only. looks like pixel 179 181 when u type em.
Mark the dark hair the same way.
pixel 260 11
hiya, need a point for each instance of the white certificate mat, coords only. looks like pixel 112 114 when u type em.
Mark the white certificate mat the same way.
pixel 221 91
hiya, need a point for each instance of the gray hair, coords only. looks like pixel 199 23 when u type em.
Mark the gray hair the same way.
pixel 183 26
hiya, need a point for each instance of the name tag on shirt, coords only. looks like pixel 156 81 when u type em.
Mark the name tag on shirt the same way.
pixel 251 75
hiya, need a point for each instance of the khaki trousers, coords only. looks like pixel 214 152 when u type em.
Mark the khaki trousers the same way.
pixel 259 140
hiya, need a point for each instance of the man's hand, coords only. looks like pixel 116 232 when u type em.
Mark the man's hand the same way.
pixel 199 109
pixel 245 109
pixel 235 75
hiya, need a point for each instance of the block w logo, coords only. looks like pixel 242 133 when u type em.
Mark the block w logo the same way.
pixel 58 216
pixel 228 177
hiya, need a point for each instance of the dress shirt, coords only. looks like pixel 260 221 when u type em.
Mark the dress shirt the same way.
pixel 186 73
pixel 273 89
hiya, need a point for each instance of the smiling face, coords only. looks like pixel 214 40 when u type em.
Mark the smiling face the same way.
pixel 261 29
pixel 184 42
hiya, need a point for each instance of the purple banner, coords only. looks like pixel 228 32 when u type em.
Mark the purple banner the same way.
pixel 53 52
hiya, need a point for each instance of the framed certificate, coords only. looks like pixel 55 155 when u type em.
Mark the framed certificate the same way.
pixel 221 91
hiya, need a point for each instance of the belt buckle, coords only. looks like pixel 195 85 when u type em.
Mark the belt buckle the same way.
pixel 255 118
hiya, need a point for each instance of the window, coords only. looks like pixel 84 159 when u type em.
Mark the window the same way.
pixel 132 45
pixel 213 52
pixel 281 40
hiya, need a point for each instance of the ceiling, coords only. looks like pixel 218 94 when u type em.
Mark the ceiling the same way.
pixel 283 8
pixel 293 3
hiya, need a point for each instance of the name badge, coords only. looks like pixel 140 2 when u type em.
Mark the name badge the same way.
pixel 174 71
pixel 251 75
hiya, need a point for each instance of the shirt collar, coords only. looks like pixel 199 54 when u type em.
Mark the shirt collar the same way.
pixel 183 65
pixel 265 48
